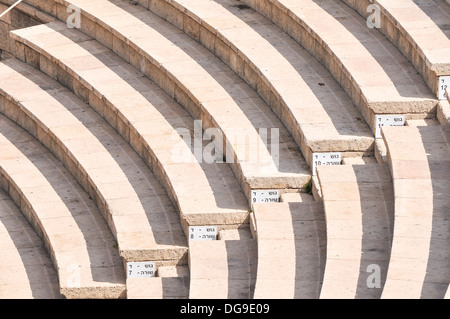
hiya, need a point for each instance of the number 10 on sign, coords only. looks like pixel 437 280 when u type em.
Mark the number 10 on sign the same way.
pixel 323 159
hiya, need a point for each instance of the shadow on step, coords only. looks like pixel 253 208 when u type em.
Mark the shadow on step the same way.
pixel 242 263
pixel 308 223
pixel 377 208
pixel 42 278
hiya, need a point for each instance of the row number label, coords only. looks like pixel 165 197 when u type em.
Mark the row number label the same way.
pixel 325 159
pixel 145 269
pixel 202 232
pixel 265 196
pixel 388 120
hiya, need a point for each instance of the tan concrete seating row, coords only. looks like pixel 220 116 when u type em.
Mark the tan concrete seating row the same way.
pixel 201 83
pixel 223 269
pixel 25 267
pixel 311 104
pixel 378 78
pixel 418 29
pixel 129 102
pixel 291 250
pixel 76 236
pixel 420 260
pixel 359 211
pixel 138 211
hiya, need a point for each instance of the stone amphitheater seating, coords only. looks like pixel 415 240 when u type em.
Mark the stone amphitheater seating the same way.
pixel 202 91
pixel 372 71
pixel 77 238
pixel 325 120
pixel 419 30
pixel 127 100
pixel 100 163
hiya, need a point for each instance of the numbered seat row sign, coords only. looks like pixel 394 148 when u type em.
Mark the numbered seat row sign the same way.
pixel 202 233
pixel 142 269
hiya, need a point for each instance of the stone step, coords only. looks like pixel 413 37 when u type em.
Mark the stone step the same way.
pixel 359 212
pixel 138 211
pixel 171 282
pixel 418 29
pixel 202 84
pixel 359 161
pixel 76 236
pixel 422 122
pixel 296 198
pixel 378 78
pixel 380 151
pixel 418 158
pixel 129 102
pixel 222 269
pixel 443 112
pixel 25 267
pixel 324 119
pixel 291 250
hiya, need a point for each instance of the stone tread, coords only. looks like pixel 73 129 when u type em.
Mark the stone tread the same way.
pixel 359 209
pixel 77 238
pixel 420 166
pixel 25 267
pixel 191 73
pixel 137 209
pixel 324 116
pixel 222 269
pixel 373 72
pixel 291 250
pixel 214 195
